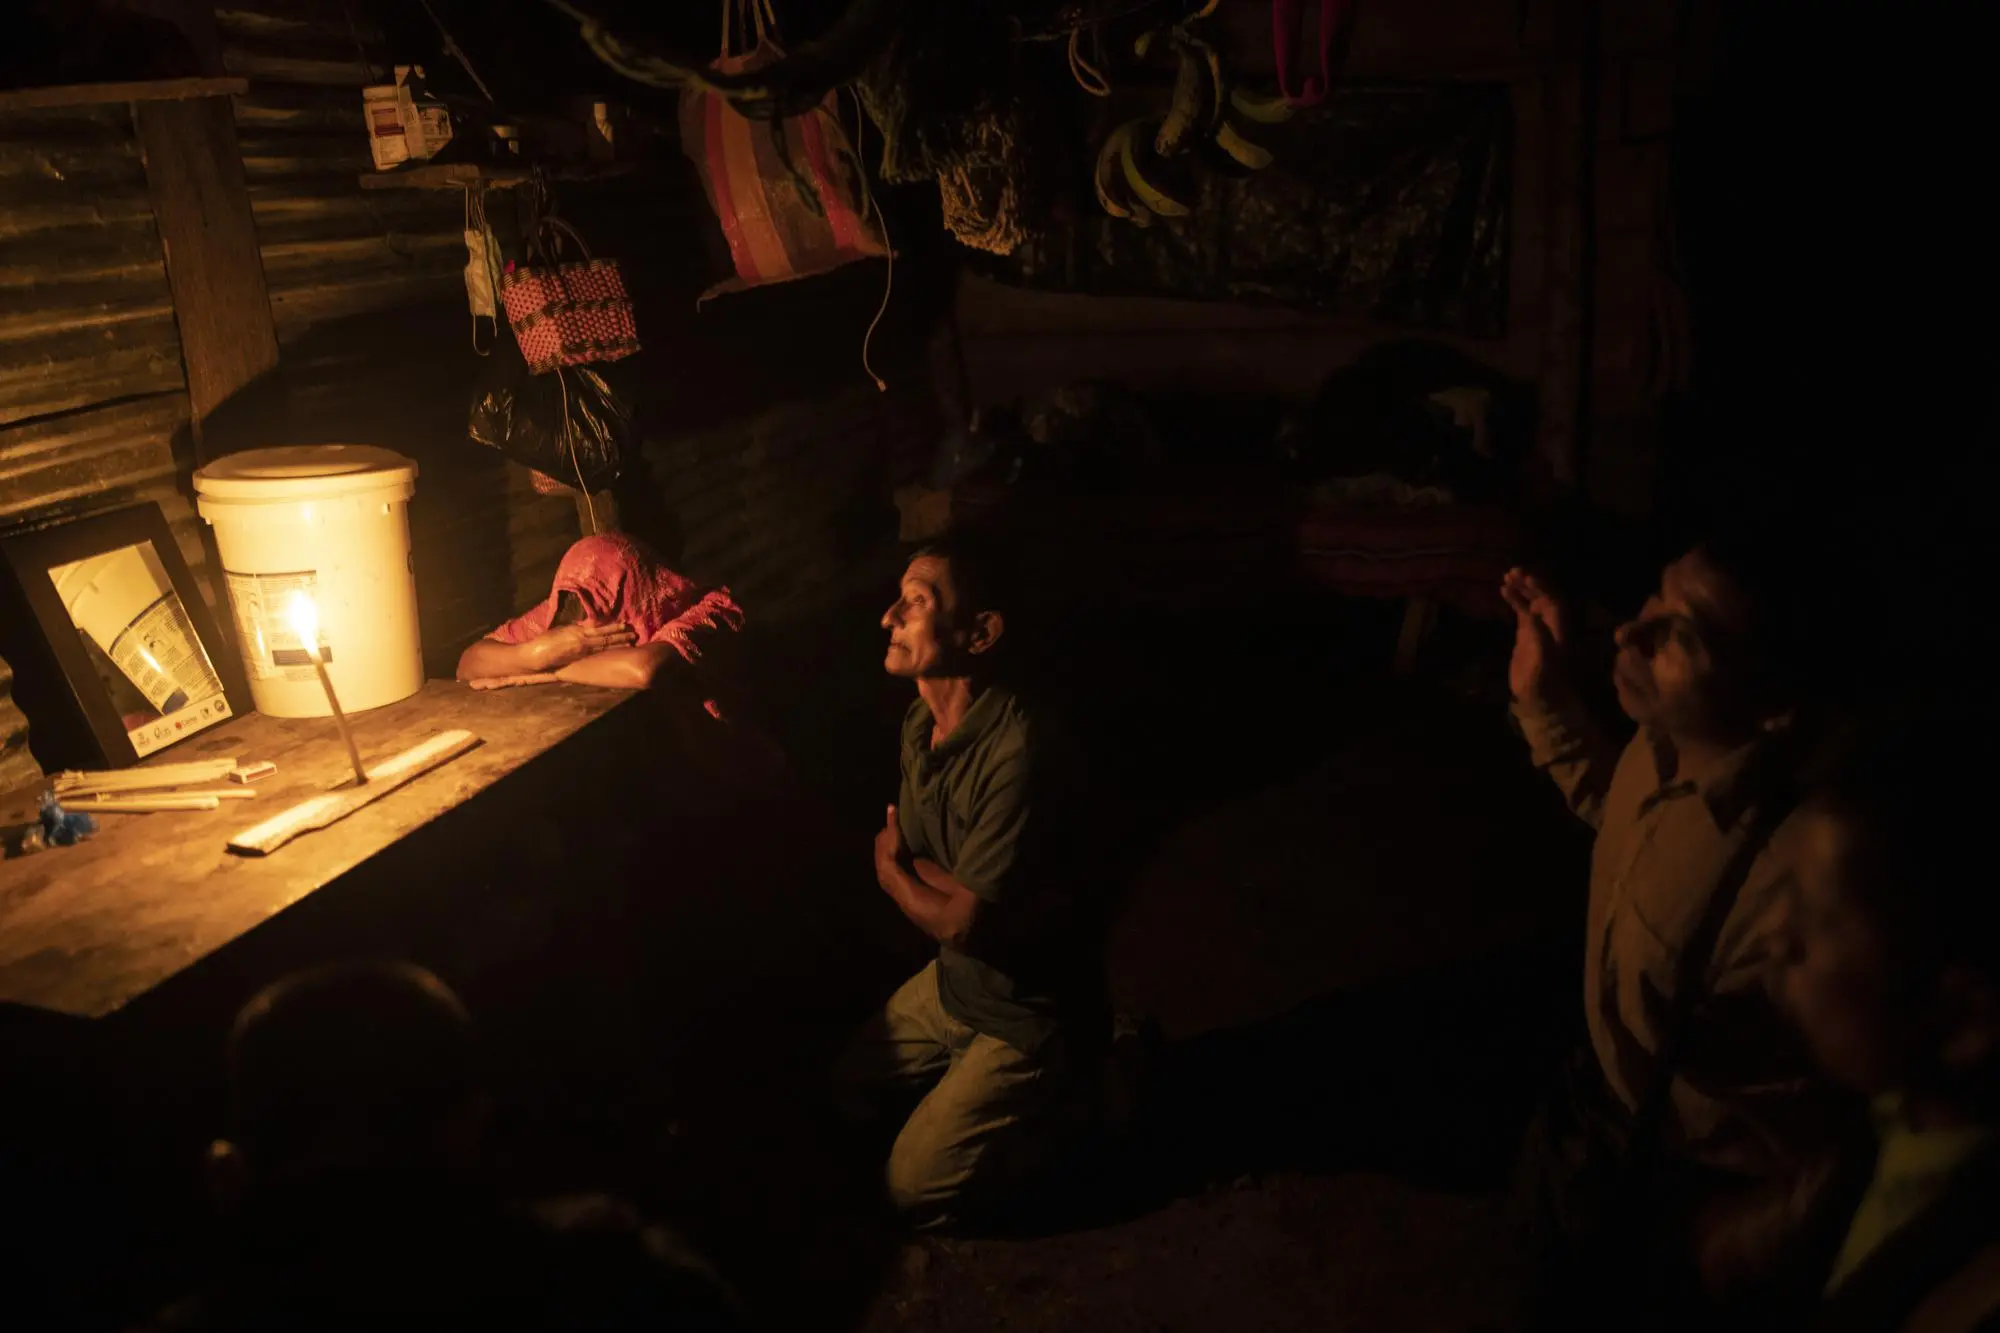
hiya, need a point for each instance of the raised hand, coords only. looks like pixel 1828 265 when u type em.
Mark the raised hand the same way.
pixel 1534 670
pixel 888 849
pixel 557 648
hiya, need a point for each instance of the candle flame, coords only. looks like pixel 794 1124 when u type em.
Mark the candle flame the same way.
pixel 304 616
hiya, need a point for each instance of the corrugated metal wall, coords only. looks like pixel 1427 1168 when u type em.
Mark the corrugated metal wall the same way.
pixel 331 249
pixel 370 310
pixel 770 453
pixel 93 403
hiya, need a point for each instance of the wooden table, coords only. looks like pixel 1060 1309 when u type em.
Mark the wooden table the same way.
pixel 86 930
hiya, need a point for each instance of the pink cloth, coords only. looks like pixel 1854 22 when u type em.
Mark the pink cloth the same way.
pixel 621 581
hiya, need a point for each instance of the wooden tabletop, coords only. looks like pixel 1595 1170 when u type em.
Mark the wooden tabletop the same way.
pixel 85 930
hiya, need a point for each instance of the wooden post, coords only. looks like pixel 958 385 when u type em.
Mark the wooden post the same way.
pixel 18 768
pixel 1418 612
pixel 1572 93
pixel 201 205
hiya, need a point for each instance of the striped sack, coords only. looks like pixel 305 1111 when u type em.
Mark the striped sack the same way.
pixel 569 314
pixel 788 193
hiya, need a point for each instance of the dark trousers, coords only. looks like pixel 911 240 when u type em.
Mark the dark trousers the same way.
pixel 1608 1232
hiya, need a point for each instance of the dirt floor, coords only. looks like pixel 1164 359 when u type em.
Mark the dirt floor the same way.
pixel 1348 960
pixel 1349 918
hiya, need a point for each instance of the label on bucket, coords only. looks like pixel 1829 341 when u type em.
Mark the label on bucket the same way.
pixel 160 653
pixel 272 648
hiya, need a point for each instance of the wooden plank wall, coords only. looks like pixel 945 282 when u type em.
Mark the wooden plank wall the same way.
pixel 209 239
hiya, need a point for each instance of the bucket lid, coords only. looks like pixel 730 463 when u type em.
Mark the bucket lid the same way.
pixel 303 471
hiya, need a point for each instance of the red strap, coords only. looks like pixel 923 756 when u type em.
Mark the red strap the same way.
pixel 1284 36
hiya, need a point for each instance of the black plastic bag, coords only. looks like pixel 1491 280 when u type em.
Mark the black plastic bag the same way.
pixel 571 425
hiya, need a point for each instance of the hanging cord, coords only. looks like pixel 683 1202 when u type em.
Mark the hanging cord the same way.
pixel 1083 19
pixel 874 210
pixel 452 49
pixel 1088 76
pixel 568 438
pixel 558 235
pixel 747 25
pixel 360 49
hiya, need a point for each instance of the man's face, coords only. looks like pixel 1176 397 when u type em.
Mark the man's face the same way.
pixel 1679 667
pixel 1832 972
pixel 923 640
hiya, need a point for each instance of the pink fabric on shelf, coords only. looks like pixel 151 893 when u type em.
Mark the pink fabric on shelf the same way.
pixel 621 581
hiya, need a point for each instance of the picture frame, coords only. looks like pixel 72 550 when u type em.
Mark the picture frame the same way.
pixel 115 652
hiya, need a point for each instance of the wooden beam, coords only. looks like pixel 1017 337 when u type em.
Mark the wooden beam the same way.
pixel 93 94
pixel 458 175
pixel 202 208
pixel 596 512
pixel 1418 612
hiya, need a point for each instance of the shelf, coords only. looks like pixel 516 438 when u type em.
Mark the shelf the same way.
pixel 459 175
pixel 95 94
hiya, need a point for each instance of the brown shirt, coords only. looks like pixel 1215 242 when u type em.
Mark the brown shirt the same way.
pixel 1745 1099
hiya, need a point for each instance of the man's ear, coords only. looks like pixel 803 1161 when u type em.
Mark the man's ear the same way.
pixel 228 1176
pixel 987 627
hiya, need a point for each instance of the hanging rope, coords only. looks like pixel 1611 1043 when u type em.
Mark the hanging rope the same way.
pixel 456 52
pixel 871 208
pixel 1088 76
pixel 746 26
pixel 568 436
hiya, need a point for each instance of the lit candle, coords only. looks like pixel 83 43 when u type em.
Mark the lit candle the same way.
pixel 304 616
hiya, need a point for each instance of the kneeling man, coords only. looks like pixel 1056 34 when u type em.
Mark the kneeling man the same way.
pixel 975 853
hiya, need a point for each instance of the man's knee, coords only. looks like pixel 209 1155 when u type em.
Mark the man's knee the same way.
pixel 925 1181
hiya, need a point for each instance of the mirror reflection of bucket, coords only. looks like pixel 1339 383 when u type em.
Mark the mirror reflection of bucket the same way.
pixel 127 605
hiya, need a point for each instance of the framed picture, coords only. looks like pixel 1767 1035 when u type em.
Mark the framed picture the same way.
pixel 114 651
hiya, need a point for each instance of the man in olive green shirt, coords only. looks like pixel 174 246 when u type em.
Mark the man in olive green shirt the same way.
pixel 973 853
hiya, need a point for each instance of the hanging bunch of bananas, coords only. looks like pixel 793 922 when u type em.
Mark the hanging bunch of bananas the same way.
pixel 1204 114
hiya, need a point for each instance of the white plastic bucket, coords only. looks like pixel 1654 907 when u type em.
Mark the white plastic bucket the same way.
pixel 329 522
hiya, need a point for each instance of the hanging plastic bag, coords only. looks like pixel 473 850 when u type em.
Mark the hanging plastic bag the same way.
pixel 571 426
pixel 568 313
pixel 788 193
pixel 482 272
